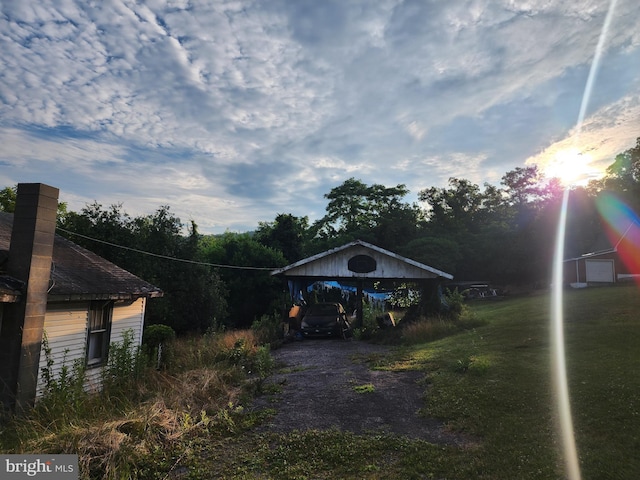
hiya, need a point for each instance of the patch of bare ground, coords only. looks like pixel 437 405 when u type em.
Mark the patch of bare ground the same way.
pixel 324 384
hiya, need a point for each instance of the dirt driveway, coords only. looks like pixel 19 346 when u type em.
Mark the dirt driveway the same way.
pixel 320 380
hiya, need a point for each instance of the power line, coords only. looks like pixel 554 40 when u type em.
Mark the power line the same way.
pixel 165 257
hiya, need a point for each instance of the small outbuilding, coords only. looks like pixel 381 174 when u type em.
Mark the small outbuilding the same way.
pixel 613 260
pixel 51 286
pixel 360 262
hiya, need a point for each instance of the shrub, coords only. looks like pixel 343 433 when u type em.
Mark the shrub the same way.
pixel 268 329
pixel 154 335
pixel 155 341
pixel 124 365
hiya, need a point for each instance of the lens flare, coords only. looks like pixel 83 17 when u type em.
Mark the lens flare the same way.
pixel 623 230
pixel 572 465
pixel 560 383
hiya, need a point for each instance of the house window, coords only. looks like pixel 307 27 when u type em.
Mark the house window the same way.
pixel 99 329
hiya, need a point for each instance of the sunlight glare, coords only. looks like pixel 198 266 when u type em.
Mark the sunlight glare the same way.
pixel 571 167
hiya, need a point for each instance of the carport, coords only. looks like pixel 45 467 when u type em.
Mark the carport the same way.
pixel 362 263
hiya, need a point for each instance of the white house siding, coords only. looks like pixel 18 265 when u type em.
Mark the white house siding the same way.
pixel 128 316
pixel 66 328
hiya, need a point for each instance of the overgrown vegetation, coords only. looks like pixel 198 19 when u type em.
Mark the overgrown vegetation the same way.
pixel 490 383
pixel 418 329
pixel 144 421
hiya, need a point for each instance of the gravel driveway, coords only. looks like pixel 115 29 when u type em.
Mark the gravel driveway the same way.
pixel 319 380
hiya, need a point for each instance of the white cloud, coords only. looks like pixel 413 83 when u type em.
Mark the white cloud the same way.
pixel 611 130
pixel 243 101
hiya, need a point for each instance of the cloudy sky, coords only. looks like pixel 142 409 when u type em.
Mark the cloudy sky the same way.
pixel 232 112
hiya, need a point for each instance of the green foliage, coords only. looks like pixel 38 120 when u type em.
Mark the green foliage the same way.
pixel 125 364
pixel 441 252
pixel 142 427
pixel 251 358
pixel 63 390
pixel 8 199
pixel 492 385
pixel 286 234
pixel 370 212
pixel 268 329
pixel 250 292
pixel 456 307
pixel 156 341
pixel 194 296
pixel 463 364
pixel 154 335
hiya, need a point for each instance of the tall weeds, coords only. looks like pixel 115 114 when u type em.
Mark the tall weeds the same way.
pixel 143 419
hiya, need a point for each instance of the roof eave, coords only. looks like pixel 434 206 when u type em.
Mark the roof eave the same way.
pixel 83 297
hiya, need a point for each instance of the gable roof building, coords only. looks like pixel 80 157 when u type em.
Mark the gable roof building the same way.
pixel 614 258
pixel 51 286
pixel 359 262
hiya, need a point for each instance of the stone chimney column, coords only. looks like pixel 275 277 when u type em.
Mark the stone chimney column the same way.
pixel 30 258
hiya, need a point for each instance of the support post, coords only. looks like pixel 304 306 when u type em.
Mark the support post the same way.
pixel 359 304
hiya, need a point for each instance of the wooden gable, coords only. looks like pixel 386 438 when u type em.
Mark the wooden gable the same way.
pixel 360 259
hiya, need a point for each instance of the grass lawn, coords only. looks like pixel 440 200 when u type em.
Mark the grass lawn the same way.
pixel 493 384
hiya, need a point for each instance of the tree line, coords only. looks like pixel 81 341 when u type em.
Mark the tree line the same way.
pixel 503 234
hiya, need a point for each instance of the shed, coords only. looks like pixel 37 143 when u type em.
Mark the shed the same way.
pixel 51 286
pixel 614 259
pixel 361 262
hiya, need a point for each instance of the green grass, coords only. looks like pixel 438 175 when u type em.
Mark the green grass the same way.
pixel 493 385
pixel 365 388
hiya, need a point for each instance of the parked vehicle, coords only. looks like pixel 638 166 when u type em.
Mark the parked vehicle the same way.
pixel 326 320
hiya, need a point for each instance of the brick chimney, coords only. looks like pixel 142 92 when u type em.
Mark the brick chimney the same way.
pixel 30 257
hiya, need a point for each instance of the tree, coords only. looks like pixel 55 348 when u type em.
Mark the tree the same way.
pixel 251 290
pixel 626 167
pixel 453 207
pixel 8 196
pixel 373 213
pixel 8 199
pixel 286 234
pixel 193 294
pixel 436 251
pixel 523 186
pixel 111 226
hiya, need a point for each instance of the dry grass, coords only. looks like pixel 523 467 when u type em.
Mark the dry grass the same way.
pixel 427 330
pixel 149 427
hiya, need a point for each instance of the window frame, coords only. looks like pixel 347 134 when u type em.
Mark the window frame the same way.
pixel 99 318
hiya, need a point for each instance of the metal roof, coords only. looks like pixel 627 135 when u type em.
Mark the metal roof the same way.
pixel 334 263
pixel 79 274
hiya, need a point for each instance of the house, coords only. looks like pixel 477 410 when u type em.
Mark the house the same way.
pixel 49 285
pixel 615 258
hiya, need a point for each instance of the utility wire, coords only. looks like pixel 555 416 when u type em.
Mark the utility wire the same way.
pixel 166 257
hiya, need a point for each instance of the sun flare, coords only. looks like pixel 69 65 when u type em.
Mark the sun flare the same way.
pixel 571 167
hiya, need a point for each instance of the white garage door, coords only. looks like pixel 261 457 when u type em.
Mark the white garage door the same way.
pixel 599 271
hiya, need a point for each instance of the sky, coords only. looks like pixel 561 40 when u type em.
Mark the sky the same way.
pixel 232 112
